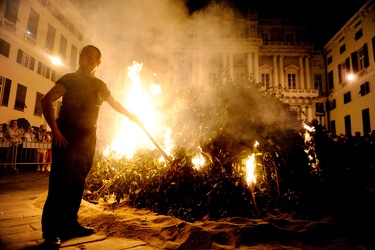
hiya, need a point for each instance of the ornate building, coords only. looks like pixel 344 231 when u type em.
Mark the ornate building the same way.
pixel 274 52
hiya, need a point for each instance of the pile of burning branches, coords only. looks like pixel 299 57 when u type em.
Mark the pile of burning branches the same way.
pixel 221 132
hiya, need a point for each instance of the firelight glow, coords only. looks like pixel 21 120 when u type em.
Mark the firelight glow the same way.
pixel 129 136
pixel 250 167
pixel 198 161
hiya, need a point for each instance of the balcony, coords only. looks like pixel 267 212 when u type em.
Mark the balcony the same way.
pixel 7 24
pixel 301 93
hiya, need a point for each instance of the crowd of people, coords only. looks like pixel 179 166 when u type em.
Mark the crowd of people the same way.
pixel 16 136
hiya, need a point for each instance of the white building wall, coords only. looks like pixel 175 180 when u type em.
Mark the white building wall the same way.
pixel 346 37
pixel 16 35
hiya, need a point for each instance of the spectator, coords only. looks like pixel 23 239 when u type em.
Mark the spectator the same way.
pixel 2 134
pixel 29 136
pixel 48 156
pixel 42 150
pixel 3 149
pixel 15 134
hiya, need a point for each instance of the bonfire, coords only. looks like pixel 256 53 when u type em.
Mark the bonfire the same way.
pixel 229 150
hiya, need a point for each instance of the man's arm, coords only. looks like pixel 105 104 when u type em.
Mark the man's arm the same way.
pixel 119 108
pixel 47 107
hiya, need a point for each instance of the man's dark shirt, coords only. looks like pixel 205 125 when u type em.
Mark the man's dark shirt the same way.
pixel 81 101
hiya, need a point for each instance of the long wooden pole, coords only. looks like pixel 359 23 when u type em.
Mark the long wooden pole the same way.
pixel 166 157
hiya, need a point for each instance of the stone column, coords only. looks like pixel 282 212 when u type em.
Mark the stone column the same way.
pixel 225 67
pixel 250 63
pixel 301 75
pixel 256 67
pixel 275 72
pixel 282 80
pixel 308 73
pixel 309 113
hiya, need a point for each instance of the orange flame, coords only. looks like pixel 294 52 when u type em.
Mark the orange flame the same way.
pixel 250 168
pixel 129 137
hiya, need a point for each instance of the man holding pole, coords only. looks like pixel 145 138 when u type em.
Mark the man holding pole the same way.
pixel 74 141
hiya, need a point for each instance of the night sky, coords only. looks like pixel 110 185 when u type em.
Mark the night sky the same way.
pixel 324 17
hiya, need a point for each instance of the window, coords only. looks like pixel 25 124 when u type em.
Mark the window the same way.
pixel 32 25
pixel 342 48
pixel 360 60
pixel 239 61
pixel 330 80
pixel 265 80
pixel 43 70
pixel 333 127
pixel 358 34
pixel 276 34
pixel 291 78
pixel 5 85
pixel 50 40
pixel 20 98
pixel 212 77
pixel 25 60
pixel 319 109
pixel 318 82
pixel 264 37
pixel 366 121
pixel 11 11
pixel 329 60
pixel 348 125
pixel 55 76
pixel 38 104
pixel 344 70
pixel 332 104
pixel 289 37
pixel 365 89
pixel 62 49
pixel 347 97
pixel 265 76
pixel 4 48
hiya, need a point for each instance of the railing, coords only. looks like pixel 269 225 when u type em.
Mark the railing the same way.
pixel 13 154
pixel 306 93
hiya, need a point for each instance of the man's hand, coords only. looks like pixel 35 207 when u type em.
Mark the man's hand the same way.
pixel 134 119
pixel 58 139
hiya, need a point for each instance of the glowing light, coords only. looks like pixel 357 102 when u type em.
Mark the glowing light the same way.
pixel 198 161
pixel 250 168
pixel 308 128
pixel 350 77
pixel 56 60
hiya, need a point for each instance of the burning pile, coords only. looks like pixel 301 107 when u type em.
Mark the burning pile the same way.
pixel 231 150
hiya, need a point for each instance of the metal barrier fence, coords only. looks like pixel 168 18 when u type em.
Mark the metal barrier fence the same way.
pixel 13 154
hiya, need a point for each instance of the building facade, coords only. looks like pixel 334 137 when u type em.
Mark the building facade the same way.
pixel 39 42
pixel 273 52
pixel 350 58
pixel 40 39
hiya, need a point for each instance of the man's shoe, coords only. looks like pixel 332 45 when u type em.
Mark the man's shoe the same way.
pixel 51 243
pixel 81 231
pixel 77 231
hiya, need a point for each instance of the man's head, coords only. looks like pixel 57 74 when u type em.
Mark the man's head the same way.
pixel 89 60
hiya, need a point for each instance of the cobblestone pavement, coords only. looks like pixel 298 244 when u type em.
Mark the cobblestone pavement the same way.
pixel 20 219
